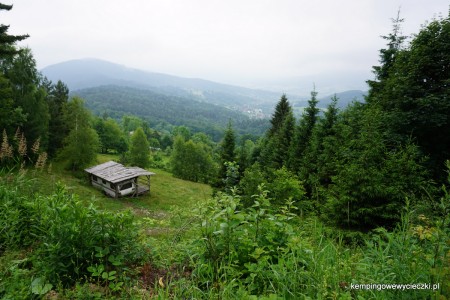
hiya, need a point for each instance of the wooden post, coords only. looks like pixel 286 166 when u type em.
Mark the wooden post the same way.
pixel 136 182
pixel 116 189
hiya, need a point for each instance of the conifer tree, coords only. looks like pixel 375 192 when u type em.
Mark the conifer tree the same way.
pixel 11 116
pixel 318 160
pixel 303 134
pixel 282 110
pixel 371 181
pixel 58 96
pixel 413 95
pixel 282 142
pixel 388 57
pixel 244 157
pixel 7 41
pixel 227 153
pixel 273 155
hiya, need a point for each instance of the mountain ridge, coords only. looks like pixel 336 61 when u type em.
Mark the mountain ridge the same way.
pixel 86 73
pixel 80 74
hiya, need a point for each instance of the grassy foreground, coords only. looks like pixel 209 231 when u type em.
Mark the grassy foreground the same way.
pixel 180 243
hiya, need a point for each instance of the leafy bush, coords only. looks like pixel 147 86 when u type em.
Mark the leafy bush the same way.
pixel 72 234
pixel 242 244
pixel 66 239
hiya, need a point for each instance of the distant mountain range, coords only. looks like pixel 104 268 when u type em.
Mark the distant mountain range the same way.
pixel 88 73
pixel 165 100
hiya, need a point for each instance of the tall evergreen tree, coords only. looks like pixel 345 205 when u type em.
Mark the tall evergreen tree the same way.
pixel 282 110
pixel 282 142
pixel 58 95
pixel 388 56
pixel 371 180
pixel 414 96
pixel 11 116
pixel 227 153
pixel 303 134
pixel 272 153
pixel 318 160
pixel 7 41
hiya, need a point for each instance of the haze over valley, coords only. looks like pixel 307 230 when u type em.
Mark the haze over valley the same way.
pixel 83 74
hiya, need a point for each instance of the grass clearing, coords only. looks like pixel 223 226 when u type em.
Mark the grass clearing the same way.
pixel 164 210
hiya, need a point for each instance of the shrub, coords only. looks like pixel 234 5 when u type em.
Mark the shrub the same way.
pixel 65 236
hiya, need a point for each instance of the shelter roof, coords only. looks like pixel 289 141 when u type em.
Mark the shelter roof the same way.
pixel 115 172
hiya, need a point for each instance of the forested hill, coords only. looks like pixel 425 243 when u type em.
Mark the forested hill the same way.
pixel 165 111
pixel 87 73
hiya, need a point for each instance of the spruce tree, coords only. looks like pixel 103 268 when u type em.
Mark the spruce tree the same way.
pixel 272 153
pixel 371 180
pixel 7 41
pixel 388 56
pixel 282 142
pixel 58 96
pixel 303 134
pixel 282 110
pixel 318 160
pixel 414 95
pixel 227 153
pixel 11 116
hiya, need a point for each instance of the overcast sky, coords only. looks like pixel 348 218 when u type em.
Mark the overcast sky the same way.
pixel 284 45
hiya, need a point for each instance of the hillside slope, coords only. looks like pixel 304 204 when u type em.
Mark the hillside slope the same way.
pixel 165 111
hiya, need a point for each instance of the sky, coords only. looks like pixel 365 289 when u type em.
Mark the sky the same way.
pixel 280 45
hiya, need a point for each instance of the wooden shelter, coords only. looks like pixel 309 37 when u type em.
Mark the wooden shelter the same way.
pixel 118 181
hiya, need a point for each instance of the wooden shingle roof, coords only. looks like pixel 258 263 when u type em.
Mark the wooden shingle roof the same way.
pixel 115 172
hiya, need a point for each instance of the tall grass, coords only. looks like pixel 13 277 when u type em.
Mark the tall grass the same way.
pixel 238 256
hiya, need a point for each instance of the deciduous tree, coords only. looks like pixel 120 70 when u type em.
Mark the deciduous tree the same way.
pixel 139 149
pixel 82 143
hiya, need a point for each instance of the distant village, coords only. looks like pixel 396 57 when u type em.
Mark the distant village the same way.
pixel 252 113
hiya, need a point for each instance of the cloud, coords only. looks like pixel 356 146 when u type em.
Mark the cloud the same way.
pixel 242 42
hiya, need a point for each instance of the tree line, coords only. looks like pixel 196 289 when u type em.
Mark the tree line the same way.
pixel 356 167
